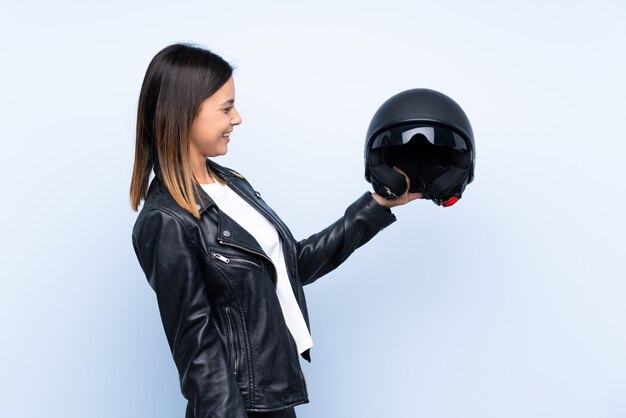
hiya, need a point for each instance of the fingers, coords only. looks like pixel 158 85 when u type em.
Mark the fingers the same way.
pixel 408 180
pixel 395 167
pixel 407 196
pixel 413 196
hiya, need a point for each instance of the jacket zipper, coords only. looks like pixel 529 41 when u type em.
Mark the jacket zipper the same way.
pixel 295 255
pixel 228 260
pixel 231 337
pixel 275 282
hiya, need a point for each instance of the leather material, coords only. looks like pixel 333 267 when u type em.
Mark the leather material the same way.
pixel 386 181
pixel 223 322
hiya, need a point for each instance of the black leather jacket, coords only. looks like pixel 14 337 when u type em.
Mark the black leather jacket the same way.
pixel 216 292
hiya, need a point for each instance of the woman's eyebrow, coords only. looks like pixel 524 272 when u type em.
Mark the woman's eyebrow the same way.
pixel 228 101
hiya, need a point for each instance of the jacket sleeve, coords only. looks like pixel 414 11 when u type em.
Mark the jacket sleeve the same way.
pixel 169 260
pixel 323 252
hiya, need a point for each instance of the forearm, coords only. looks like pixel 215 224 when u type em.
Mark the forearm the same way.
pixel 323 252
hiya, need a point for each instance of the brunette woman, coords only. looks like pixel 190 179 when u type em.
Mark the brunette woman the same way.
pixel 227 273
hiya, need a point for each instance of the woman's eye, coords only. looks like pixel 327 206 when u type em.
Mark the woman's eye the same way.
pixel 227 109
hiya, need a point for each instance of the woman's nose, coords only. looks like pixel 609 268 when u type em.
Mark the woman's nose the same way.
pixel 237 119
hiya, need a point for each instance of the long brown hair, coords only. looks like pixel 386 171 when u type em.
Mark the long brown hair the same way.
pixel 177 81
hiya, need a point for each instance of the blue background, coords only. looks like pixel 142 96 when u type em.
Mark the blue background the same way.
pixel 509 304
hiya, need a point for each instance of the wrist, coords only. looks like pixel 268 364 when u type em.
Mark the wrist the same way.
pixel 381 201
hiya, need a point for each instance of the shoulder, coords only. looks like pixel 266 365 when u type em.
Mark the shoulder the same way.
pixel 160 200
pixel 161 229
pixel 158 217
pixel 160 208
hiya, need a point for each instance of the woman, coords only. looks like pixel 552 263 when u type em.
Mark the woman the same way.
pixel 226 271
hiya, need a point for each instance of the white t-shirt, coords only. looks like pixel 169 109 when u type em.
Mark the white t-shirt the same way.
pixel 265 233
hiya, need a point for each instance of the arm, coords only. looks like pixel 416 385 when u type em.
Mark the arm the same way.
pixel 323 252
pixel 168 259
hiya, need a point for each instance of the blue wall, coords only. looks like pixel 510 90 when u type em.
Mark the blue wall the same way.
pixel 508 304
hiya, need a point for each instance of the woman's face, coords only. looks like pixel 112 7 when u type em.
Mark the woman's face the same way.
pixel 216 118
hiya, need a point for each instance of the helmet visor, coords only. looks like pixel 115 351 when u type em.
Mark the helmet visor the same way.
pixel 436 135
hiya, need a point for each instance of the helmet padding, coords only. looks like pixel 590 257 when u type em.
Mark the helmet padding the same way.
pixel 434 170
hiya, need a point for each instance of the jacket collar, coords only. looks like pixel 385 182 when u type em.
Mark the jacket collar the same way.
pixel 203 200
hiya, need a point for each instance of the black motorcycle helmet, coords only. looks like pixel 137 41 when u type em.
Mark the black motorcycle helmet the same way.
pixel 428 136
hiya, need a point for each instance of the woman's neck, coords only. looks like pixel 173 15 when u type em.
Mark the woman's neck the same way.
pixel 201 170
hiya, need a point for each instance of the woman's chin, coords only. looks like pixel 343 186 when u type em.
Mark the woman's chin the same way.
pixel 217 153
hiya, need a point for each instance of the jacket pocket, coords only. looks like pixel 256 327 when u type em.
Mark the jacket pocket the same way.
pixel 227 259
pixel 233 346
